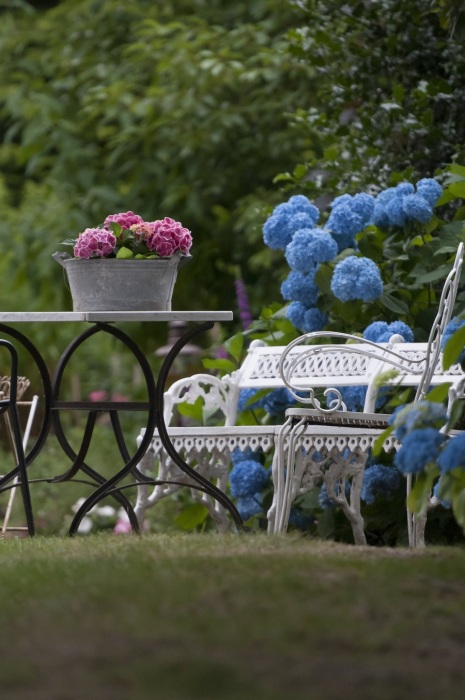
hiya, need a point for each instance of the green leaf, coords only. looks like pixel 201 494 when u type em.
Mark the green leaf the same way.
pixel 235 345
pixel 192 516
pixel 379 442
pixel 192 410
pixel 323 278
pixel 223 364
pixel 457 169
pixel 124 254
pixel 456 413
pixel 433 276
pixel 453 348
pixel 420 494
pixel 385 377
pixel 458 507
pixel 439 393
pixel 300 171
pixel 393 304
pixel 457 188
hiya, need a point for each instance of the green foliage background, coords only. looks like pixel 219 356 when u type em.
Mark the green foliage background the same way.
pixel 193 108
pixel 212 112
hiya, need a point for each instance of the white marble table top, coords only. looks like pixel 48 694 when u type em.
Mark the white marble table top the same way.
pixel 113 316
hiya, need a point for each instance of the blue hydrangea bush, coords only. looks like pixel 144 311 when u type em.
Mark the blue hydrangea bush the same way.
pixel 340 268
pixel 371 264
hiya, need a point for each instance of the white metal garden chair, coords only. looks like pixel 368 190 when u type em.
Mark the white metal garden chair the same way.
pixel 332 444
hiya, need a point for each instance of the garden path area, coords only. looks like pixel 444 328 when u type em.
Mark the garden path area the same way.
pixel 210 616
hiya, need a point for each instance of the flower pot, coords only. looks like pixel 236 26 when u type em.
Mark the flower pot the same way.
pixel 111 284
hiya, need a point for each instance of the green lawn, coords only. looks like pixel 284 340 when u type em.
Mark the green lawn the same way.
pixel 210 616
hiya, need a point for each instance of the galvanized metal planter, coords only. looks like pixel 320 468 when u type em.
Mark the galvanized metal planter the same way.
pixel 109 284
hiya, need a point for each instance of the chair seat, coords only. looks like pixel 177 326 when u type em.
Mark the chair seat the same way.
pixel 343 419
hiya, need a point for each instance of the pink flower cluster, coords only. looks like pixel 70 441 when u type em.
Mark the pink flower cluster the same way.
pixel 125 220
pixel 163 237
pixel 167 237
pixel 94 242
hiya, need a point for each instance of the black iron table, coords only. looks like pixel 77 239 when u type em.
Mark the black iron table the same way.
pixel 104 322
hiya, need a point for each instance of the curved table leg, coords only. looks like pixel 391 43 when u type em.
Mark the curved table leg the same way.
pixel 26 459
pixel 105 486
pixel 210 488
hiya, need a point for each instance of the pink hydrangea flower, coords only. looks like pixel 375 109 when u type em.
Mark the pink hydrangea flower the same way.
pixel 94 242
pixel 142 230
pixel 125 220
pixel 167 237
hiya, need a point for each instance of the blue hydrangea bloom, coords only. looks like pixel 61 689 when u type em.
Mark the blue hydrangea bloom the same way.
pixel 295 312
pixel 453 325
pixel 341 199
pixel 344 223
pixel 386 195
pixel 245 396
pixel 238 455
pixel 380 217
pixel 247 478
pixel 429 189
pixel 417 208
pixel 419 414
pixel 287 218
pixel 453 454
pixel 349 216
pixel 300 203
pixel 395 212
pixel 249 506
pixel 380 331
pixel 352 396
pixel 314 320
pixel 309 247
pixel 401 328
pixel 404 189
pixel 300 287
pixel 356 278
pixel 277 233
pixel 379 480
pixel 363 204
pixel 418 449
pixel 283 209
pixel 277 401
pixel 300 220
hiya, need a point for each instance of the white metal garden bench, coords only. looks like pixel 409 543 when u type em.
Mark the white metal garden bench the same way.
pixel 210 447
pixel 332 445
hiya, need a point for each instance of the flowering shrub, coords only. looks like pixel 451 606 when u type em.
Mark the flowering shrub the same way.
pixel 343 260
pixel 127 235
